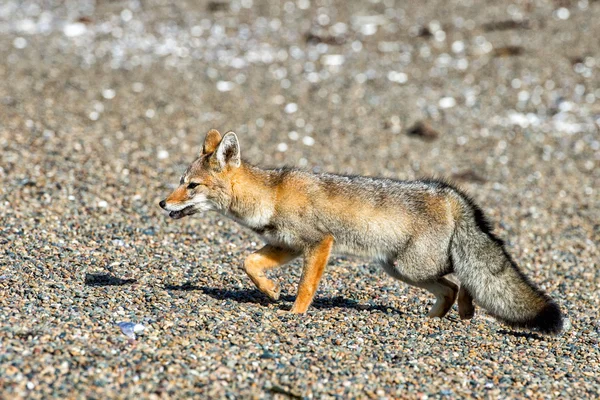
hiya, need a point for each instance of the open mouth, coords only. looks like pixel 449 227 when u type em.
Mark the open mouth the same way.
pixel 189 210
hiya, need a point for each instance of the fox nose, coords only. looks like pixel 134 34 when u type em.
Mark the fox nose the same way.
pixel 162 204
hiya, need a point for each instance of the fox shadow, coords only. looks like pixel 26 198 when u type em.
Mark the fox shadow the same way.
pixel 256 297
pixel 517 334
pixel 102 279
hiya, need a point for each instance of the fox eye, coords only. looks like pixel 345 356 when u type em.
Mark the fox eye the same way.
pixel 192 185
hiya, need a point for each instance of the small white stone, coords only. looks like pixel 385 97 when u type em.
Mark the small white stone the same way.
pixel 519 119
pixel 523 95
pixel 163 154
pixel 75 29
pixel 458 46
pixel 293 135
pixel 108 94
pixel 323 19
pixel 150 113
pixel 440 36
pixel 102 204
pixel 281 147
pixel 563 13
pixel 126 15
pixel 308 141
pixel 238 63
pixel 368 29
pixel 20 43
pixel 447 102
pixel 224 86
pixel 333 59
pixel 30 385
pixel 462 64
pixel 291 108
pixel 399 77
pixel 339 28
pixel 94 115
pixel 27 26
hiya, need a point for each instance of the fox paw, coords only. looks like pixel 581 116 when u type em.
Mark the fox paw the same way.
pixel 297 310
pixel 466 312
pixel 273 293
pixel 442 306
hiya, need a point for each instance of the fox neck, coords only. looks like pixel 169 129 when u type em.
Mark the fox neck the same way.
pixel 253 197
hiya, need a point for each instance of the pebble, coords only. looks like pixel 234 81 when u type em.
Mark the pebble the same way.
pixel 130 328
pixel 74 29
pixel 447 102
pixel 224 86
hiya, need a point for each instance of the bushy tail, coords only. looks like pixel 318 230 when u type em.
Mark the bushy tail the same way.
pixel 493 279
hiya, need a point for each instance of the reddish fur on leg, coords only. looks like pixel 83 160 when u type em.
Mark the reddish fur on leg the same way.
pixel 262 260
pixel 315 261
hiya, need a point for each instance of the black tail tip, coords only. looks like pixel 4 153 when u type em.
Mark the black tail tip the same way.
pixel 549 320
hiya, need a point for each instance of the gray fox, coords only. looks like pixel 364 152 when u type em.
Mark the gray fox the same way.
pixel 418 231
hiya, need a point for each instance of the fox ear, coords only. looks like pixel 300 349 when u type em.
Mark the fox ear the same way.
pixel 211 141
pixel 228 152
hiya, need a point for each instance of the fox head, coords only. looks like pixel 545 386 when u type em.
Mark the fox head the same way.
pixel 206 184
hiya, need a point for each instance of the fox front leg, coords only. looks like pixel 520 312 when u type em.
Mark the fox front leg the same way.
pixel 268 257
pixel 315 260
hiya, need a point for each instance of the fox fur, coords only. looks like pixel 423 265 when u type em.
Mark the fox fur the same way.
pixel 418 231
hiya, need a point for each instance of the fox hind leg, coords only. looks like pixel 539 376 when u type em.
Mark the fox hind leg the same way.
pixel 445 293
pixel 466 309
pixel 444 290
pixel 268 257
